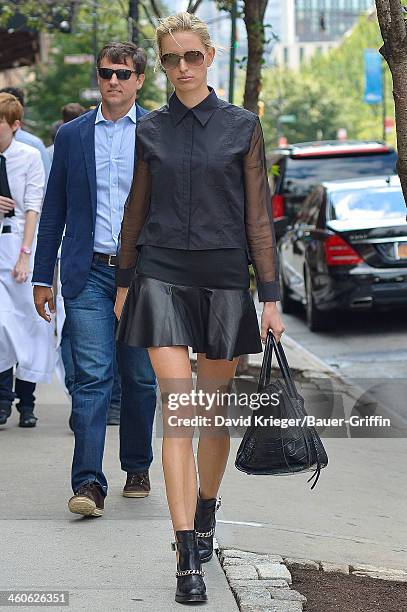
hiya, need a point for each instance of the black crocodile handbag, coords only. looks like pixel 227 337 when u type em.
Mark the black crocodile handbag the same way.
pixel 277 449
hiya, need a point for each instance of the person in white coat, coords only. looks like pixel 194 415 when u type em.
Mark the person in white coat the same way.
pixel 26 342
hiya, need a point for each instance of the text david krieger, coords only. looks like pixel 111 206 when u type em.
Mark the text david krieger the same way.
pixel 263 421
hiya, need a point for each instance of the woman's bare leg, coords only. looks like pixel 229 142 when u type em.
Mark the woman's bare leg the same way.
pixel 173 371
pixel 214 442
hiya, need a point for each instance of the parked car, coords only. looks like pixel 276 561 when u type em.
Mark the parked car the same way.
pixel 296 169
pixel 346 250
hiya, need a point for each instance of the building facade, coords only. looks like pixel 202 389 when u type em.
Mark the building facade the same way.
pixel 307 27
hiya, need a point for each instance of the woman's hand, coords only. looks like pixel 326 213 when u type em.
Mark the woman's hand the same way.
pixel 120 299
pixel 270 319
pixel 22 268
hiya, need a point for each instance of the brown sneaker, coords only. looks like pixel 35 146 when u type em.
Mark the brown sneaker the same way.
pixel 137 485
pixel 88 501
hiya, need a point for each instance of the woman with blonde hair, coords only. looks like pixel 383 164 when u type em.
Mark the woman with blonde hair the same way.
pixel 198 210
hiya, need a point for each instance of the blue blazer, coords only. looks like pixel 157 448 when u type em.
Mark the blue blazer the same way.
pixel 70 203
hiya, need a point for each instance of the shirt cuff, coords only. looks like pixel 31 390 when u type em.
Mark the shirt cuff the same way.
pixel 41 285
pixel 124 277
pixel 269 292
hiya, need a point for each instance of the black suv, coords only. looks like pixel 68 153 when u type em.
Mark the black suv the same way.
pixel 295 169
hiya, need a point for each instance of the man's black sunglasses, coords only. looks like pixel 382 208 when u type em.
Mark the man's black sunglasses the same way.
pixel 122 74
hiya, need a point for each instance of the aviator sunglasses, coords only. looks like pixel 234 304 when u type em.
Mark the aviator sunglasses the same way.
pixel 172 60
pixel 121 73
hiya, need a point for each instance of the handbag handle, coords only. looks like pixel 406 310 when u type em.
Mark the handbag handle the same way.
pixel 265 373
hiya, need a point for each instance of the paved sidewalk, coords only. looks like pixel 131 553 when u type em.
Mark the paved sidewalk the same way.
pixel 120 562
pixel 356 512
pixel 123 561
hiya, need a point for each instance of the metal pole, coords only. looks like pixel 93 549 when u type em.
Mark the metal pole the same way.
pixel 233 14
pixel 133 18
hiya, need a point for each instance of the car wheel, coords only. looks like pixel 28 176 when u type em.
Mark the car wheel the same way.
pixel 288 305
pixel 317 320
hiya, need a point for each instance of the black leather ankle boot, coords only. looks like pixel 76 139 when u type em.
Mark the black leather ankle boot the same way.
pixel 190 584
pixel 205 522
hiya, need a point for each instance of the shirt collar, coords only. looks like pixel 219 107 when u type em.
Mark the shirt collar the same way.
pixel 10 148
pixel 202 111
pixel 131 114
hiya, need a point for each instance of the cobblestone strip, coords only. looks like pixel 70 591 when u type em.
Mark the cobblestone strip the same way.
pixel 260 583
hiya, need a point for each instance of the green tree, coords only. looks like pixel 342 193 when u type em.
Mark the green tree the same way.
pixel 57 83
pixel 343 71
pixel 328 91
pixel 310 102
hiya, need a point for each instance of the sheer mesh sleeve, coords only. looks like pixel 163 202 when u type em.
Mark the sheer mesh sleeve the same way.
pixel 259 221
pixel 134 217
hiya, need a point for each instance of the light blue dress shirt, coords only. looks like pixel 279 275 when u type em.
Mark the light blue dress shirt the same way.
pixel 114 156
pixel 34 141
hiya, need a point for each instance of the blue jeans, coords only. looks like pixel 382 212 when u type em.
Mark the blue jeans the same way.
pixel 66 354
pixel 91 323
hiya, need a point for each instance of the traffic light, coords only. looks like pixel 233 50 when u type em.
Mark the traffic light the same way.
pixel 63 17
pixel 65 27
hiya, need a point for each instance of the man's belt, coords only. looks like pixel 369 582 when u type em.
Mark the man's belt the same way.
pixel 110 260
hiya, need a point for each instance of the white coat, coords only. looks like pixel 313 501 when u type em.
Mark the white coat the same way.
pixel 26 340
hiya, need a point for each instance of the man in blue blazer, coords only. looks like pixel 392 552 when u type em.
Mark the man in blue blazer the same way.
pixel 90 179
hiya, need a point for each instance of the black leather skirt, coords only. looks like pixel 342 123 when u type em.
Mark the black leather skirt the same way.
pixel 221 323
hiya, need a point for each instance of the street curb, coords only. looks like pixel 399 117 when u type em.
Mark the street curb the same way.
pixel 356 569
pixel 355 392
pixel 262 582
pixel 316 366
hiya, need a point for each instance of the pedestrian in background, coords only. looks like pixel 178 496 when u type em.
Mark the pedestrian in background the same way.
pixel 26 137
pixel 199 202
pixel 53 132
pixel 89 183
pixel 69 111
pixel 25 341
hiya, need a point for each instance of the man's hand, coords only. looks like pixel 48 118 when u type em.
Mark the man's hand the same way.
pixel 42 296
pixel 6 204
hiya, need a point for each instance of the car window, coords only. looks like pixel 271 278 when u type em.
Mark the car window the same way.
pixel 276 173
pixel 309 212
pixel 362 204
pixel 303 173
